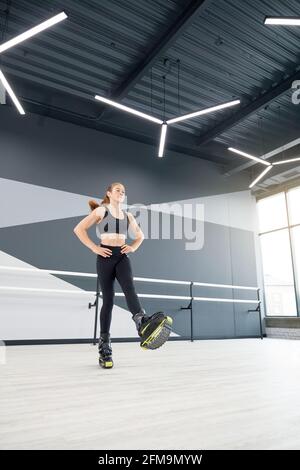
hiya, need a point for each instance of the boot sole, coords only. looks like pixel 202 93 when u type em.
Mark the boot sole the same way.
pixel 164 325
pixel 165 318
pixel 106 364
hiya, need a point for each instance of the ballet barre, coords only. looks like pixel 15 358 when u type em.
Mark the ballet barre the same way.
pixel 191 298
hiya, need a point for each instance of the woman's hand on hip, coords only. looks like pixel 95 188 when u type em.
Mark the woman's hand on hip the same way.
pixel 126 249
pixel 100 250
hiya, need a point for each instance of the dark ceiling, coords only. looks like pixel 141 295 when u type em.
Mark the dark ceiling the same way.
pixel 210 51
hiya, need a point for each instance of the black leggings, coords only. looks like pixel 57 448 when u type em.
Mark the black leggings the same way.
pixel 115 266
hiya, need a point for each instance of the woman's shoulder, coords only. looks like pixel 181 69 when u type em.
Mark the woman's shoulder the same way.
pixel 101 210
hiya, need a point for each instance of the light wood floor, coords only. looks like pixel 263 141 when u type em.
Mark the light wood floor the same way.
pixel 214 394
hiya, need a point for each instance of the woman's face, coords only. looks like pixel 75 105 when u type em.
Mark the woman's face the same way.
pixel 117 194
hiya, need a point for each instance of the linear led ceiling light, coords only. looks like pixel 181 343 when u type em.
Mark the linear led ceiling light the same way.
pixel 129 110
pixel 20 38
pixel 33 31
pixel 286 161
pixel 264 162
pixel 280 162
pixel 162 139
pixel 247 155
pixel 11 93
pixel 262 174
pixel 203 111
pixel 281 20
pixel 164 124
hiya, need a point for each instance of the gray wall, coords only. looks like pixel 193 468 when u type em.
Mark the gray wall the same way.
pixel 49 169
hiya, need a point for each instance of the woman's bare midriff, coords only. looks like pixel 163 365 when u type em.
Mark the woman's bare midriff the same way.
pixel 113 240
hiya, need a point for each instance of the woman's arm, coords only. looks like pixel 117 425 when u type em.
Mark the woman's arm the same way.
pixel 81 228
pixel 139 235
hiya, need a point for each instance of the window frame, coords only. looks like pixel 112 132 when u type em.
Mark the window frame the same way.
pixel 289 228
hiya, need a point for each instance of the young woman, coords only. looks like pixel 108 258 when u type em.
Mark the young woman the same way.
pixel 112 260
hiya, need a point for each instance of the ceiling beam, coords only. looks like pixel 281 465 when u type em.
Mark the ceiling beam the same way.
pixel 164 42
pixel 254 106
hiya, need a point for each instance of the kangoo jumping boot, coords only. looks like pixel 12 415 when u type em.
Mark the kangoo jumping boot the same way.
pixel 105 351
pixel 140 319
pixel 154 330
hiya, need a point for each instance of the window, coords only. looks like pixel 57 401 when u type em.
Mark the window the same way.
pixel 295 235
pixel 278 273
pixel 272 213
pixel 293 197
pixel 279 227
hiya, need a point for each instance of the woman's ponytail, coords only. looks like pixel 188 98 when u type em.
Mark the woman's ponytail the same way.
pixel 93 204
